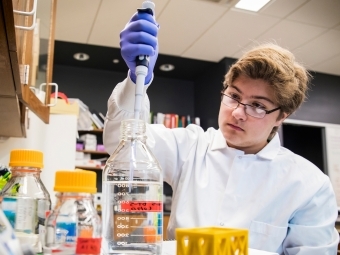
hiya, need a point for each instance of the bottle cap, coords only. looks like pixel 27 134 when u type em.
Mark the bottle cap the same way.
pixel 77 180
pixel 28 158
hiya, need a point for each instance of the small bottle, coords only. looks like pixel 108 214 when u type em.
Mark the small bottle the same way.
pixel 25 198
pixel 132 196
pixel 73 226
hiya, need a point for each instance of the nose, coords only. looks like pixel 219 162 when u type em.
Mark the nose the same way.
pixel 239 112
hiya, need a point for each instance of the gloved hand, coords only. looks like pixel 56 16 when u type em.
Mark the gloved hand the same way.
pixel 139 37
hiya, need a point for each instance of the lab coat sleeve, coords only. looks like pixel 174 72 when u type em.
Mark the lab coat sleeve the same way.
pixel 311 230
pixel 121 106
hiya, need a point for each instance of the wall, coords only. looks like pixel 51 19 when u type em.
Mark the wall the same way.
pixel 208 87
pixel 323 102
pixel 94 86
pixel 195 91
pixel 199 97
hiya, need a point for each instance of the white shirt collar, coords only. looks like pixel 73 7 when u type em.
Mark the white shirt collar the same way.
pixel 271 150
pixel 218 141
pixel 268 152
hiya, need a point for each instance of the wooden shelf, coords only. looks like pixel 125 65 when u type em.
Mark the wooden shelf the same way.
pixel 94 131
pixel 94 152
pixel 90 168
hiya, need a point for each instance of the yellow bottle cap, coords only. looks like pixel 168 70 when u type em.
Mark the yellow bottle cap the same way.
pixel 77 180
pixel 28 158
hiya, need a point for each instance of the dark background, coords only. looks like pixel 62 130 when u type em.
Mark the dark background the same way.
pixel 306 141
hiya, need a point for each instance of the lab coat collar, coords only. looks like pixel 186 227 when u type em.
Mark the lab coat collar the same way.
pixel 219 141
pixel 271 150
pixel 268 152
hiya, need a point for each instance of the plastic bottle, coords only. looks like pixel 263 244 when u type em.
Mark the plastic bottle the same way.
pixel 132 207
pixel 25 198
pixel 73 227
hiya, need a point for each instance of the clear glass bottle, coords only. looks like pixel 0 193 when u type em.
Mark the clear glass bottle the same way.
pixel 73 226
pixel 132 206
pixel 25 198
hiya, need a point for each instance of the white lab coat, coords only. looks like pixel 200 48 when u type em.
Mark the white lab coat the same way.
pixel 284 200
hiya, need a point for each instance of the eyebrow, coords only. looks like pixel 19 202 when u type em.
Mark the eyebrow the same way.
pixel 256 97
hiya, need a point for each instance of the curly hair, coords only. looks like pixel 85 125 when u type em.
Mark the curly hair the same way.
pixel 276 66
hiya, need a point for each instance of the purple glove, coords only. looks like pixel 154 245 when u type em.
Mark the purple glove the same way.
pixel 139 37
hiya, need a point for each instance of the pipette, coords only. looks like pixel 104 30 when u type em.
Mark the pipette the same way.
pixel 142 65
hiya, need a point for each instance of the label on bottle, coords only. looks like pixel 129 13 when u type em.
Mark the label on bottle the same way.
pixel 141 206
pixel 89 245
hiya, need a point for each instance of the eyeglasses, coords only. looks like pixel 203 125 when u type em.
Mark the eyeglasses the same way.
pixel 251 110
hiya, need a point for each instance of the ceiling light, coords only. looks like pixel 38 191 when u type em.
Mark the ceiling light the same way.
pixel 167 67
pixel 81 56
pixel 115 61
pixel 251 5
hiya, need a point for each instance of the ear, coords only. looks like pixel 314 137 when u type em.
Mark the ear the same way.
pixel 281 118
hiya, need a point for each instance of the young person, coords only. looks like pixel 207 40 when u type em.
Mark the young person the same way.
pixel 239 175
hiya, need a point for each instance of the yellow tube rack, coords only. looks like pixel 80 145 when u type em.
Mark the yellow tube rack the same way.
pixel 212 241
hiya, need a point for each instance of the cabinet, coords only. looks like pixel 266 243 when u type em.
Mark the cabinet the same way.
pixel 16 50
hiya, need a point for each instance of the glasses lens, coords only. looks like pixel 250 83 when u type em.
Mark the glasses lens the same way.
pixel 228 101
pixel 252 111
pixel 255 112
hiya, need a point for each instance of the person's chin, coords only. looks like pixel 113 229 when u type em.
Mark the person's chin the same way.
pixel 233 136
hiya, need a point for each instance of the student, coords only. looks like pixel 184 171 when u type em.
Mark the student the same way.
pixel 239 175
